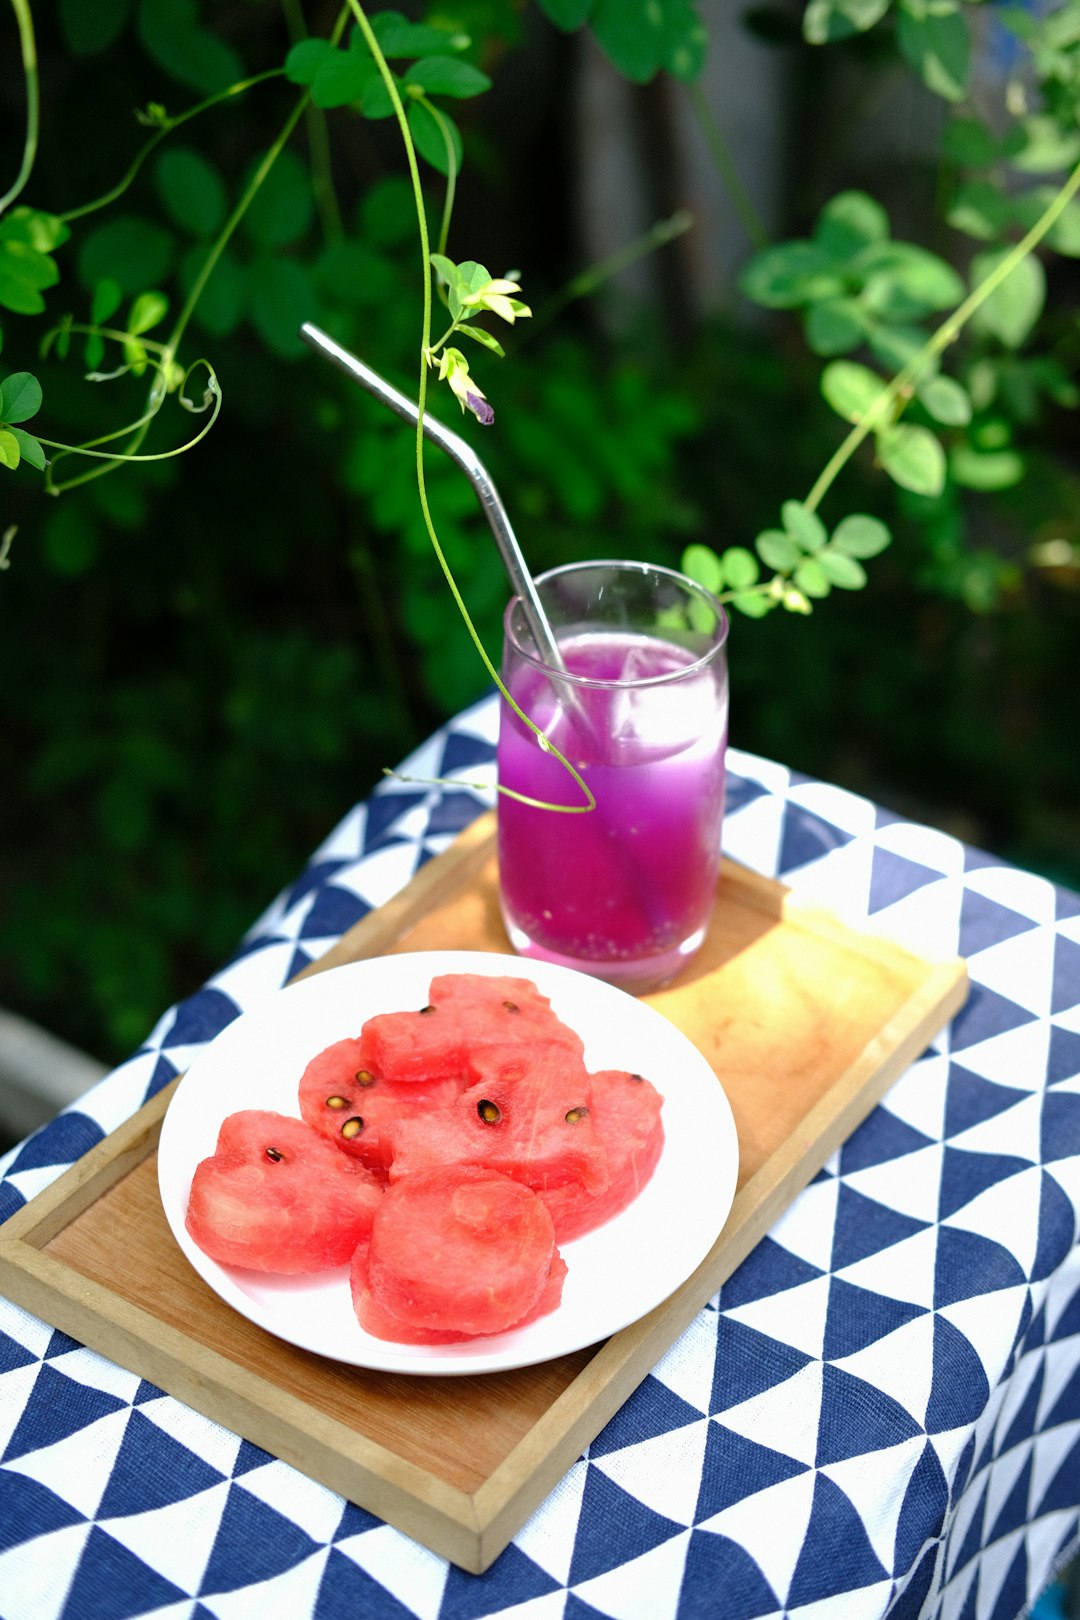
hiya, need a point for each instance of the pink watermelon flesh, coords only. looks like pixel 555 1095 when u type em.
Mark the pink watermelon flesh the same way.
pixel 344 1101
pixel 626 1116
pixel 466 1013
pixel 275 1197
pixel 502 1011
pixel 528 1117
pixel 381 1323
pixel 460 1250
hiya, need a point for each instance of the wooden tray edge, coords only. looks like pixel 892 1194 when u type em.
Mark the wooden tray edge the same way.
pixel 470 1530
pixel 239 1398
pixel 535 1466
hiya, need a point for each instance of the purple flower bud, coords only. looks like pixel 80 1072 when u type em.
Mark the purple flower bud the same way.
pixel 480 409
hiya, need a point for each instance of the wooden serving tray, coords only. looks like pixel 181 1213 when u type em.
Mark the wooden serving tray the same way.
pixel 805 1020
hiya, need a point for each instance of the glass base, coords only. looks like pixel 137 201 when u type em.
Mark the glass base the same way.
pixel 637 977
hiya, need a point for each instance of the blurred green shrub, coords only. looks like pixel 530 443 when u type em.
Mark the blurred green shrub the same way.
pixel 205 660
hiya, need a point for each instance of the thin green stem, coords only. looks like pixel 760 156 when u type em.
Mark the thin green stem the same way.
pixel 451 172
pixel 946 333
pixel 749 217
pixel 159 135
pixel 251 190
pixel 591 279
pixel 434 348
pixel 209 264
pixel 172 343
pixel 142 425
pixel 421 482
pixel 28 48
pixel 322 180
pixel 85 329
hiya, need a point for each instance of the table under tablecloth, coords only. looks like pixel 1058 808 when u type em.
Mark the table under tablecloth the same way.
pixel 879 1414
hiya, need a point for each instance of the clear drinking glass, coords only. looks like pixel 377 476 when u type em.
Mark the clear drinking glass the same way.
pixel 624 891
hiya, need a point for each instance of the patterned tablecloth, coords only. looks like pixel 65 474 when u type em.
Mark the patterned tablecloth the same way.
pixel 879 1414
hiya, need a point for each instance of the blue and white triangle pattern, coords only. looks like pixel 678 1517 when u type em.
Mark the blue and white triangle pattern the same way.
pixel 878 1415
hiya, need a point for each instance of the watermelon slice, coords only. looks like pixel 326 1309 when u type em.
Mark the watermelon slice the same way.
pixel 465 1014
pixel 275 1197
pixel 457 1252
pixel 528 1117
pixel 344 1101
pixel 626 1118
pixel 502 1011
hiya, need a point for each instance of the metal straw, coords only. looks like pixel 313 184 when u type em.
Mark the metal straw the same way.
pixel 473 468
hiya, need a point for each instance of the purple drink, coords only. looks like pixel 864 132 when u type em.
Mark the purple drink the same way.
pixel 624 891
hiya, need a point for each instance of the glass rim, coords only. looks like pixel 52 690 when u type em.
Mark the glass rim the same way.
pixel 693 588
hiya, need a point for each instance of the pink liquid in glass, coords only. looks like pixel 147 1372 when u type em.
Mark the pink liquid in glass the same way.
pixel 625 891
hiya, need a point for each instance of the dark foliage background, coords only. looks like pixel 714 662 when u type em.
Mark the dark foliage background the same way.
pixel 205 661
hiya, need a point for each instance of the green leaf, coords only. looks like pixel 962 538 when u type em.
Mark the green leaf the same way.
pixel 790 274
pixel 629 34
pixel 904 281
pixel 701 563
pixel 131 251
pixel 851 389
pixel 811 578
pixel 135 356
pixel 344 78
pixel 946 400
pixel 284 205
pixel 755 604
pixel 803 525
pixel 986 470
pixel 478 335
pixel 894 345
pixel 1048 148
pixel 147 310
pixel 305 59
pixel 447 76
pixel 108 296
pixel 23 275
pixel 427 132
pixel 70 538
pixel 171 32
pixel 684 40
pixel 740 567
pixel 938 48
pixel 221 302
pixel 979 209
pixel 42 232
pixel 20 397
pixel 826 21
pixel 850 221
pixel 967 141
pixel 1064 234
pixel 860 536
pixel 386 213
pixel 192 190
pixel 457 285
pixel 567 14
pixel 1013 308
pixel 835 326
pixel 398 37
pixel 87 29
pixel 10 454
pixel 913 458
pixel 778 550
pixel 32 453
pixel 841 569
pixel 282 297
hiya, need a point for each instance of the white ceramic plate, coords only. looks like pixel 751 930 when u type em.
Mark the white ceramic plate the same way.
pixel 616 1273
